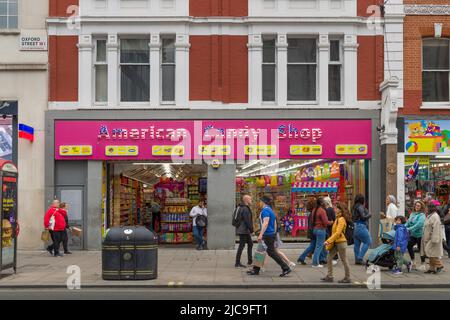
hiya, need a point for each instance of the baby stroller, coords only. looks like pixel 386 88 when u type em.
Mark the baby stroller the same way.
pixel 383 255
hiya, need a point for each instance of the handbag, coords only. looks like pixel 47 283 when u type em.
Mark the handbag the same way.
pixel 310 234
pixel 45 236
pixel 447 218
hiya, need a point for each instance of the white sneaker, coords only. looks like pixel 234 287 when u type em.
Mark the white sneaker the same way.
pixel 422 268
pixel 318 266
pixel 334 262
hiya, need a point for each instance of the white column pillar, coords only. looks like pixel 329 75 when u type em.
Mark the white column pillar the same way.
pixel 155 70
pixel 182 70
pixel 85 68
pixel 282 59
pixel 113 71
pixel 255 58
pixel 350 80
pixel 324 58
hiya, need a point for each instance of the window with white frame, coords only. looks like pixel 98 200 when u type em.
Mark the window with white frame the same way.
pixel 168 69
pixel 101 72
pixel 335 72
pixel 134 70
pixel 9 14
pixel 302 69
pixel 268 70
pixel 436 70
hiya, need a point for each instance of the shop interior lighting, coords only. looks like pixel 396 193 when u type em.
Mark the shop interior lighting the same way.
pixel 290 168
pixel 159 163
pixel 262 167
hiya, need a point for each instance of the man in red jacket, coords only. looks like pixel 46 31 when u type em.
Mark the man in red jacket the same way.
pixel 55 222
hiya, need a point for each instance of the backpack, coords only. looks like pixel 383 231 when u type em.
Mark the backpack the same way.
pixel 349 230
pixel 201 221
pixel 236 220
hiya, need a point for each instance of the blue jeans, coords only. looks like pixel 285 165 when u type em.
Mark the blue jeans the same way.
pixel 362 239
pixel 316 245
pixel 198 235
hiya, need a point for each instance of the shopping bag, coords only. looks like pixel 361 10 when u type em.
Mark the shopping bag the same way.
pixel 260 255
pixel 45 236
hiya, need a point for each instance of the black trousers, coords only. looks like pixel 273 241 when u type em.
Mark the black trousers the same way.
pixel 411 243
pixel 243 240
pixel 50 247
pixel 57 239
pixel 270 243
pixel 65 241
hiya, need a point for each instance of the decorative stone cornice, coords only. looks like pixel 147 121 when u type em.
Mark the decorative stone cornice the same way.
pixel 436 10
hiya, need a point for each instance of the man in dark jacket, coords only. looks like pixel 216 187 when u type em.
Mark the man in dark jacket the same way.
pixel 245 230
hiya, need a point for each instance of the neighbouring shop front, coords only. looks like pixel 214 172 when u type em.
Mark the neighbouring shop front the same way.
pixel 114 170
pixel 427 161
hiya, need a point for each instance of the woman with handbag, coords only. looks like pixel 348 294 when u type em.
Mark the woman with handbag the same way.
pixel 337 243
pixel 361 236
pixel 318 224
pixel 50 212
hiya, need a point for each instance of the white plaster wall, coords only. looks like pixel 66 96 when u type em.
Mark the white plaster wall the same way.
pixel 147 8
pixel 30 89
pixel 302 8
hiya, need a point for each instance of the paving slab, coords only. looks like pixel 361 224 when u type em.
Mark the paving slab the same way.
pixel 211 268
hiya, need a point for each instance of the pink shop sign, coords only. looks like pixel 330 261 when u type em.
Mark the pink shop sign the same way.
pixel 205 139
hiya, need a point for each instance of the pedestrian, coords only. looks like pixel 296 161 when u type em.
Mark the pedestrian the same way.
pixel 400 245
pixel 279 243
pixel 415 226
pixel 50 212
pixel 199 216
pixel 63 207
pixel 55 222
pixel 392 210
pixel 337 243
pixel 319 223
pixel 268 235
pixel 432 240
pixel 361 234
pixel 331 215
pixel 245 230
pixel 447 227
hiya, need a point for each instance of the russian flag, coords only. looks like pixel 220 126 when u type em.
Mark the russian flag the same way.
pixel 26 132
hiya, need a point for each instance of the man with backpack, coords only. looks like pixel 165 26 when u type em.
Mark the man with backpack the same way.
pixel 199 220
pixel 243 222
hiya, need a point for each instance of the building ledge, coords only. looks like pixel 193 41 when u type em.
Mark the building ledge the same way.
pixel 9 31
pixel 23 66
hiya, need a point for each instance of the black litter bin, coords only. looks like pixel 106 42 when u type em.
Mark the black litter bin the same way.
pixel 130 253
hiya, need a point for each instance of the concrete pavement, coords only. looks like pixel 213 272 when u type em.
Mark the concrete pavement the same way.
pixel 188 268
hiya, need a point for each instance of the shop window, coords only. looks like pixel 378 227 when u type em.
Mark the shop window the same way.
pixel 101 72
pixel 302 69
pixel 436 70
pixel 135 70
pixel 335 71
pixel 268 70
pixel 9 14
pixel 168 69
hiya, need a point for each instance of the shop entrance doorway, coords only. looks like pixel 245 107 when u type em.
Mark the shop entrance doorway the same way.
pixel 157 195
